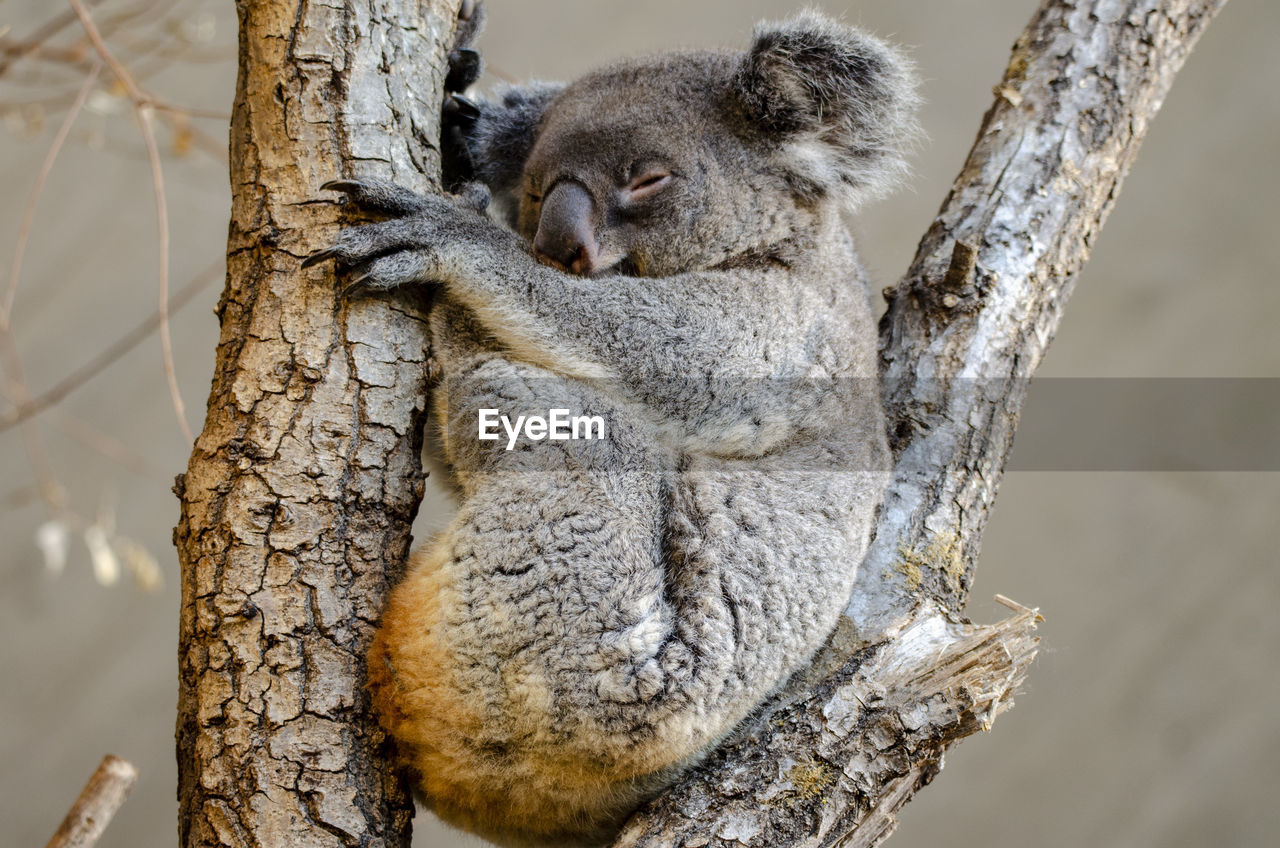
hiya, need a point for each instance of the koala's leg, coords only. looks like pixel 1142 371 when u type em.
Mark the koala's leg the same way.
pixel 763 557
pixel 542 598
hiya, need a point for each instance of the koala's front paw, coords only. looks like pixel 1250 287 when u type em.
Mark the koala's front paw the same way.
pixel 384 255
pixel 402 251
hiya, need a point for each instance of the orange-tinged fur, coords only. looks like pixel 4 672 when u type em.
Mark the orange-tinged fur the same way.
pixel 445 734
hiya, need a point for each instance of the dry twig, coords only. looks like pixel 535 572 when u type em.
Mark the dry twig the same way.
pixel 10 356
pixel 89 816
pixel 24 230
pixel 37 39
pixel 142 104
pixel 111 353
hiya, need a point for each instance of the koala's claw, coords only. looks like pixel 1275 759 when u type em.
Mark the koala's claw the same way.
pixel 459 109
pixel 375 195
pixel 354 285
pixel 348 186
pixel 320 256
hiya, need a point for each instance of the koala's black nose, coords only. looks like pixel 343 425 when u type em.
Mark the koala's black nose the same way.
pixel 566 233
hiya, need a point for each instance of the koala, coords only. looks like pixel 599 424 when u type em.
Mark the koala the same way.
pixel 666 255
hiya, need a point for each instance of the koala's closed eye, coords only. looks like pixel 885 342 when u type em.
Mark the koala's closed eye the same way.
pixel 646 181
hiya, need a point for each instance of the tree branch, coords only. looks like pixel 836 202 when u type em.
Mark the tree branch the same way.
pixel 108 788
pixel 840 751
pixel 298 497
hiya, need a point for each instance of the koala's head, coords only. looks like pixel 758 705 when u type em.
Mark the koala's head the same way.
pixel 693 160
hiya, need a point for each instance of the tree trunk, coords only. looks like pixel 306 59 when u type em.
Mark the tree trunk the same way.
pixel 298 498
pixel 835 757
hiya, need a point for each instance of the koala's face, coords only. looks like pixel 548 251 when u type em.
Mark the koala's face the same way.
pixel 645 169
pixel 695 160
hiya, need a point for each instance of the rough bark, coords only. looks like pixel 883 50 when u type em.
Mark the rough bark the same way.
pixel 833 759
pixel 298 498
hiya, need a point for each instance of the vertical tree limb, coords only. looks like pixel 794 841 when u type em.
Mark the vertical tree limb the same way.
pixel 297 501
pixel 1083 84
pixel 834 758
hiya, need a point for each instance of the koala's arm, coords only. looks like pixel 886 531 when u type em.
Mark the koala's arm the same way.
pixel 732 376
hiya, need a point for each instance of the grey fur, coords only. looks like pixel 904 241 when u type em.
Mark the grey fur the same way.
pixel 609 610
pixel 504 133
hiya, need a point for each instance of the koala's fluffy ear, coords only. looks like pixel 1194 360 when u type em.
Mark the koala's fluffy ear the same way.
pixel 505 131
pixel 840 102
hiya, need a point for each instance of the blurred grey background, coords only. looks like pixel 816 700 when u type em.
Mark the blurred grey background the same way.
pixel 1151 718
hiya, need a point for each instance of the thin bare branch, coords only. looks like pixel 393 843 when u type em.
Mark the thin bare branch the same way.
pixel 105 792
pixel 162 222
pixel 95 37
pixel 24 230
pixel 140 98
pixel 111 353
pixel 47 31
pixel 142 105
